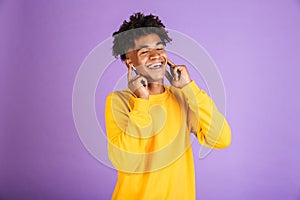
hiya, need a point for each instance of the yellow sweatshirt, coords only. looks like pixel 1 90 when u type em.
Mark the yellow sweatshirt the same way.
pixel 149 141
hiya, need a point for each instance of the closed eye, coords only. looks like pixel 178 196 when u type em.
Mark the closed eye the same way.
pixel 160 47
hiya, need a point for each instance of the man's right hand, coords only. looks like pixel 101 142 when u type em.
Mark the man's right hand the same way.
pixel 138 84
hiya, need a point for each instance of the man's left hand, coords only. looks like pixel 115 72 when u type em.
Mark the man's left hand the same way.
pixel 179 76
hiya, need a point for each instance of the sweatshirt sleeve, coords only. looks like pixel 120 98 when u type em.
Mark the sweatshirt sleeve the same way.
pixel 128 125
pixel 205 121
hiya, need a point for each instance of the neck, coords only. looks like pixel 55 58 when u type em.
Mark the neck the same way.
pixel 156 88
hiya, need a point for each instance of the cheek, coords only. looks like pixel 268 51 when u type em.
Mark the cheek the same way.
pixel 140 62
pixel 164 55
pixel 141 70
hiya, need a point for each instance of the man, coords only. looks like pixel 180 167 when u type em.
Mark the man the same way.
pixel 149 124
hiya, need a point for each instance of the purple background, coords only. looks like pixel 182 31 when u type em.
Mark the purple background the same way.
pixel 255 45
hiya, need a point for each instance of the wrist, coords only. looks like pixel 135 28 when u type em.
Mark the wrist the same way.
pixel 186 83
pixel 144 97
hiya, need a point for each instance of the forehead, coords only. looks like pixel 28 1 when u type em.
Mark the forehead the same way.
pixel 147 40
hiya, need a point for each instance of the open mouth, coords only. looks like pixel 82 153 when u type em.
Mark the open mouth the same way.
pixel 155 65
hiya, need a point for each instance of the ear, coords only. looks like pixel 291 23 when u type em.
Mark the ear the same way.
pixel 127 62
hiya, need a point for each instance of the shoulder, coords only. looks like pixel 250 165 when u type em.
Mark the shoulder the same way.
pixel 124 94
pixel 120 99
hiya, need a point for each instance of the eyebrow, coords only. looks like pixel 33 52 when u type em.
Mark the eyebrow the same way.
pixel 147 46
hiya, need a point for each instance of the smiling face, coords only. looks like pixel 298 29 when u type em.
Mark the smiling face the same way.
pixel 149 58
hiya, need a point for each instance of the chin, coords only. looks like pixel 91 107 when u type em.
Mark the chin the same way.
pixel 156 79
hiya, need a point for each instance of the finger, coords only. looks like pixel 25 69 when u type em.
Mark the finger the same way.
pixel 170 63
pixel 135 83
pixel 129 75
pixel 144 82
pixel 181 67
pixel 177 72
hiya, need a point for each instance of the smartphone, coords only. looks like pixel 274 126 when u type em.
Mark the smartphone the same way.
pixel 134 69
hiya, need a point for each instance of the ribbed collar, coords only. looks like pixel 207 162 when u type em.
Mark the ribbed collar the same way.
pixel 162 96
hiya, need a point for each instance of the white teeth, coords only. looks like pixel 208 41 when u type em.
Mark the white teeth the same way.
pixel 154 66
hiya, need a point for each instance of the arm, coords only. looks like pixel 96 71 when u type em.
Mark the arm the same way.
pixel 204 119
pixel 206 122
pixel 128 125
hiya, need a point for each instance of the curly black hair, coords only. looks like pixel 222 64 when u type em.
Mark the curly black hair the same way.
pixel 139 25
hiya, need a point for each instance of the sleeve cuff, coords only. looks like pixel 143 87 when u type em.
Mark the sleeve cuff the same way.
pixel 191 89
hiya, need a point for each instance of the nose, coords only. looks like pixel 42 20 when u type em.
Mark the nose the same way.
pixel 154 54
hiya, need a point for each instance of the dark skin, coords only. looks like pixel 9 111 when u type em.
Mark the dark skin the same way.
pixel 150 60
